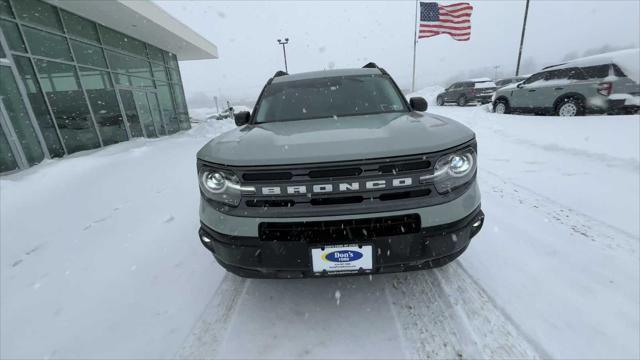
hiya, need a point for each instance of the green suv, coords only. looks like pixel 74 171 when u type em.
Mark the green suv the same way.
pixel 598 84
pixel 335 173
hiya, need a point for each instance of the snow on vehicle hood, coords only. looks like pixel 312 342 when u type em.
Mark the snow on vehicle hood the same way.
pixel 485 85
pixel 335 139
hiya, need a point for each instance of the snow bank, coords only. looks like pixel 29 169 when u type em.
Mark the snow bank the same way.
pixel 99 254
pixel 204 114
pixel 429 93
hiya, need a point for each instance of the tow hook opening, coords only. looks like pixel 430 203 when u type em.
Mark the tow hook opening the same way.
pixel 476 225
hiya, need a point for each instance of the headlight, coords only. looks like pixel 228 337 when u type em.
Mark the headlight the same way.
pixel 222 186
pixel 453 170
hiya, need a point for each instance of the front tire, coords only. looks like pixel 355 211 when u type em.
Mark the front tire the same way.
pixel 462 101
pixel 440 101
pixel 570 107
pixel 501 107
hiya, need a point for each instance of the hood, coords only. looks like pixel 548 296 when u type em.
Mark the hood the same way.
pixel 335 139
pixel 509 87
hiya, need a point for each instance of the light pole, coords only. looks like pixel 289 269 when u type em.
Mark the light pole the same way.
pixel 495 75
pixel 524 27
pixel 284 51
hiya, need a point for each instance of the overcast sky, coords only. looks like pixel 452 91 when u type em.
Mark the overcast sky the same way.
pixel 326 34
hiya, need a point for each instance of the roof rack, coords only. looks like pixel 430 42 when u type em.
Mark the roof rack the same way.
pixel 550 66
pixel 280 73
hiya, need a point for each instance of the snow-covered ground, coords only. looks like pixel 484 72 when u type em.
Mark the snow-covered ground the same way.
pixel 203 114
pixel 99 258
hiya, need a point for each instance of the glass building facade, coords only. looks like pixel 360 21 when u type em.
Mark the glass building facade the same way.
pixel 68 84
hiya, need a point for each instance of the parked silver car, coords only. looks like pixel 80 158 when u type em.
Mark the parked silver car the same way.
pixel 598 84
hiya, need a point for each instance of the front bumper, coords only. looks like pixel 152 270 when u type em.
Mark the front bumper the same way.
pixel 428 247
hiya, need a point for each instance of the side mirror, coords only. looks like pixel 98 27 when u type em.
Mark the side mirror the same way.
pixel 418 104
pixel 242 118
pixel 520 85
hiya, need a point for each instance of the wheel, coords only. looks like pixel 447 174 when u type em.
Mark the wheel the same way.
pixel 570 107
pixel 462 101
pixel 501 107
pixel 440 101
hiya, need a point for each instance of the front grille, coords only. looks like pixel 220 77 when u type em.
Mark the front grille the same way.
pixel 328 190
pixel 328 172
pixel 327 232
pixel 268 176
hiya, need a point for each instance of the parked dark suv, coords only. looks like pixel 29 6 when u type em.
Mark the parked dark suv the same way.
pixel 465 92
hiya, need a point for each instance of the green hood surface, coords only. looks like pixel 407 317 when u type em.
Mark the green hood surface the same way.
pixel 335 139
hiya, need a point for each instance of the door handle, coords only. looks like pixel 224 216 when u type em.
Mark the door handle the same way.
pixel 558 88
pixel 532 90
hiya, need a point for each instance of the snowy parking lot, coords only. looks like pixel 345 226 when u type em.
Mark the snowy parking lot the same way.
pixel 100 258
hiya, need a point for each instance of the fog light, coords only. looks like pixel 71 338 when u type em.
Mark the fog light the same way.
pixel 205 239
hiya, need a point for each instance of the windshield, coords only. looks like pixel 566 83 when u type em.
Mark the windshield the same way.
pixel 329 97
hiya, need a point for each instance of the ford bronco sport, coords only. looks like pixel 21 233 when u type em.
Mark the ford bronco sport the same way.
pixel 335 173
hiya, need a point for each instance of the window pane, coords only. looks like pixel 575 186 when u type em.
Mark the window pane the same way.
pixel 128 64
pixel 46 44
pixel 36 98
pixel 123 42
pixel 38 13
pixel 104 104
pixel 80 27
pixel 155 53
pixel 144 112
pixel 2 54
pixel 175 75
pixel 155 112
pixel 141 82
pixel 596 72
pixel 181 107
pixel 69 106
pixel 88 54
pixel 166 105
pixel 7 160
pixel 5 9
pixel 131 111
pixel 11 33
pixel 122 79
pixel 170 59
pixel 159 72
pixel 18 116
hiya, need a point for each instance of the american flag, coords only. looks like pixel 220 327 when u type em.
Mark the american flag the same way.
pixel 454 19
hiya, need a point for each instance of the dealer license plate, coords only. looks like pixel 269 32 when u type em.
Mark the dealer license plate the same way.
pixel 342 258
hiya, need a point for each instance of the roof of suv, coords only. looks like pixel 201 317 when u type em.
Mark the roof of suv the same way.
pixel 327 73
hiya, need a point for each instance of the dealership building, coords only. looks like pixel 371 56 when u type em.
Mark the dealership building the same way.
pixel 80 74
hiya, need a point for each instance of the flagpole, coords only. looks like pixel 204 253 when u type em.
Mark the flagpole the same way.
pixel 415 42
